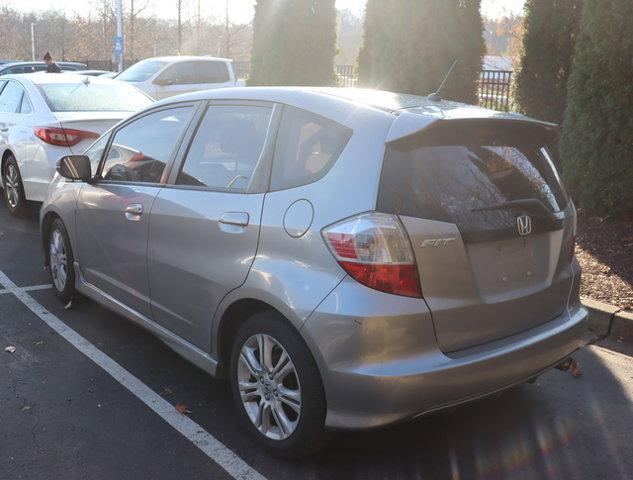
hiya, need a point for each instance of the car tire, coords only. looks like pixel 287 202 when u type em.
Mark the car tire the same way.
pixel 286 433
pixel 13 188
pixel 61 262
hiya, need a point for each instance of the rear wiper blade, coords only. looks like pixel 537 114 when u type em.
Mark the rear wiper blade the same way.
pixel 526 204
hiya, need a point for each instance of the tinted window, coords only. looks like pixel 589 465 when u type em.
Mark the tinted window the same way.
pixel 227 147
pixel 141 71
pixel 452 173
pixel 95 152
pixel 141 149
pixel 307 146
pixel 180 74
pixel 11 97
pixel 212 72
pixel 93 97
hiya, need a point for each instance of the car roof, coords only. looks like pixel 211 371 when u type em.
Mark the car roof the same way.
pixel 390 102
pixel 19 64
pixel 411 113
pixel 185 58
pixel 42 78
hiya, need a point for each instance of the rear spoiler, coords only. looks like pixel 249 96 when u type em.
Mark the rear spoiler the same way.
pixel 408 123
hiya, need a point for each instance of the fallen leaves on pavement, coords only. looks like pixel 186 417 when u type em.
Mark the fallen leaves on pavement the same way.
pixel 182 409
pixel 575 369
pixel 10 349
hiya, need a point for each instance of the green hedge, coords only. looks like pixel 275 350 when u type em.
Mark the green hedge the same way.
pixel 410 45
pixel 294 43
pixel 550 32
pixel 597 142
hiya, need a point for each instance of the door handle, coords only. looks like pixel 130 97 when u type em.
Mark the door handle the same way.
pixel 239 219
pixel 133 212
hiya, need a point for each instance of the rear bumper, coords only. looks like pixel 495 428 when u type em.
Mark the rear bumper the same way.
pixel 379 368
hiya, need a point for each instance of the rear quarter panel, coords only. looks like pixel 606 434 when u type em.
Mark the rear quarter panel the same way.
pixel 293 270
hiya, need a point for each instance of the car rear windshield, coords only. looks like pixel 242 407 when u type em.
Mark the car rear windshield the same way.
pixel 465 174
pixel 93 97
pixel 141 71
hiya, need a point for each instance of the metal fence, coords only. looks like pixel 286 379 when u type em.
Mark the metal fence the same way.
pixel 495 89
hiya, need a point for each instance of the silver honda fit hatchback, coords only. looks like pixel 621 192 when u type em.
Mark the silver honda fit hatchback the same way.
pixel 348 258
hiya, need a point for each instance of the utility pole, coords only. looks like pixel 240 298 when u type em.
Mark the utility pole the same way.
pixel 118 39
pixel 32 42
pixel 227 31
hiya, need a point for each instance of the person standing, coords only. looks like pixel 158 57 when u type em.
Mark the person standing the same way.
pixel 51 67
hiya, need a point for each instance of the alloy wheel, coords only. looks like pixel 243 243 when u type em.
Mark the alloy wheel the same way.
pixel 12 186
pixel 58 263
pixel 269 387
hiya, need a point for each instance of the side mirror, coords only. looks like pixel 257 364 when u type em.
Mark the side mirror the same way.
pixel 75 167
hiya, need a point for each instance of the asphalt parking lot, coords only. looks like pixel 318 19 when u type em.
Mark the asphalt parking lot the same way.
pixel 68 412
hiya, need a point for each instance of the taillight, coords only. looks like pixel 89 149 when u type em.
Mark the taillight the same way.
pixel 374 249
pixel 64 137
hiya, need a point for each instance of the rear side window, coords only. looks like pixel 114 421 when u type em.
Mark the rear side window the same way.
pixel 307 146
pixel 26 106
pixel 212 72
pixel 227 148
pixel 453 173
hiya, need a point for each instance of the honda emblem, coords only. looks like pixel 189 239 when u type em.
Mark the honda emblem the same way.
pixel 524 225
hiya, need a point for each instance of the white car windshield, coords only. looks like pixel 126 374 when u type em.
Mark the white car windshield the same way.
pixel 141 71
pixel 93 97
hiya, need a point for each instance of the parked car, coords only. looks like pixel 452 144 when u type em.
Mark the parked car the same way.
pixel 349 259
pixel 43 117
pixel 163 77
pixel 31 67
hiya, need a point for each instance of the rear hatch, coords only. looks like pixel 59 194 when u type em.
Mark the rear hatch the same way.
pixel 490 224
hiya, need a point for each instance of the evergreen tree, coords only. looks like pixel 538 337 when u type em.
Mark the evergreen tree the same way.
pixel 411 44
pixel 551 28
pixel 294 43
pixel 597 142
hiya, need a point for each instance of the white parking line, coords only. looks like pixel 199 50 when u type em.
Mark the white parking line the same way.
pixel 207 443
pixel 26 289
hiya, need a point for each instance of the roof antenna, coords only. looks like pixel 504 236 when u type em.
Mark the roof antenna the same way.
pixel 435 96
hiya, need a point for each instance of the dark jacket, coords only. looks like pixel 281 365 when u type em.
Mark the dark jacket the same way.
pixel 53 68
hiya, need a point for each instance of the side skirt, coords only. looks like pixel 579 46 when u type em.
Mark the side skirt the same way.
pixel 183 348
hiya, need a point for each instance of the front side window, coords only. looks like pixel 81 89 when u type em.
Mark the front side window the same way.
pixel 227 148
pixel 11 97
pixel 95 152
pixel 307 146
pixel 141 149
pixel 182 73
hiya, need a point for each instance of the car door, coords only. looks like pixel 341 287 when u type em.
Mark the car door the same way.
pixel 204 225
pixel 112 213
pixel 176 79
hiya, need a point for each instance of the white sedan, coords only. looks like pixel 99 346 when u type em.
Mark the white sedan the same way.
pixel 46 116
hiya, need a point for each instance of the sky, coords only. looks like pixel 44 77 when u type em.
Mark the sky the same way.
pixel 240 11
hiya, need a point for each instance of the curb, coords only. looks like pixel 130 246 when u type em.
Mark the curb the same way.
pixel 608 321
